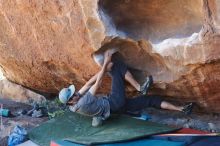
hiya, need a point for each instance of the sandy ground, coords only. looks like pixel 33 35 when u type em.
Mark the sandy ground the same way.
pixel 10 122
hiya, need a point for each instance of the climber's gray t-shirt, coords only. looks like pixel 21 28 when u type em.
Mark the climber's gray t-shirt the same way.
pixel 93 106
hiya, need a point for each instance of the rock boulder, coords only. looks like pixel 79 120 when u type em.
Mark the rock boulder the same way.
pixel 46 45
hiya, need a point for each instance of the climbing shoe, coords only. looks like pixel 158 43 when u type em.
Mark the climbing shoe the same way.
pixel 146 85
pixel 97 121
pixel 187 109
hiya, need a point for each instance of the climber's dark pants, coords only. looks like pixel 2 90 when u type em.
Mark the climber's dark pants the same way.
pixel 117 98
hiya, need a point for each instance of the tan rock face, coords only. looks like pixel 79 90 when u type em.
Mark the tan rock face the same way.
pixel 179 46
pixel 46 45
pixel 155 20
pixel 18 93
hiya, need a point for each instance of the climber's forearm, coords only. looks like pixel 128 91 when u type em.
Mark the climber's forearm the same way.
pixel 98 82
pixel 88 84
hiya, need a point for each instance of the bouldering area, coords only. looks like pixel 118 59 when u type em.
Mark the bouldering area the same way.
pixel 46 46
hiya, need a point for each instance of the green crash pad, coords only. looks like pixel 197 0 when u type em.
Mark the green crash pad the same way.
pixel 77 128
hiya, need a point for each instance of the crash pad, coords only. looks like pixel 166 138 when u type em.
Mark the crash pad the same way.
pixel 77 128
pixel 188 132
pixel 191 131
pixel 145 142
pixel 209 141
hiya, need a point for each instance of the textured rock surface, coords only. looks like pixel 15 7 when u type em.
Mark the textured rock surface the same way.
pixel 155 20
pixel 46 45
pixel 182 54
pixel 15 92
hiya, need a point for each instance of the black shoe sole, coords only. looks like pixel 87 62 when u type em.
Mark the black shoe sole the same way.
pixel 147 86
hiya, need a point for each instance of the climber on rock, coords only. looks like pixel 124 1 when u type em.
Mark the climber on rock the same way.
pixel 86 102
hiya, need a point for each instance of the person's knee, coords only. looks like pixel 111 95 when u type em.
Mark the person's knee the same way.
pixel 163 105
pixel 109 66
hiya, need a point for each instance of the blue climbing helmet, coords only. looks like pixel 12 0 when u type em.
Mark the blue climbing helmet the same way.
pixel 66 93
